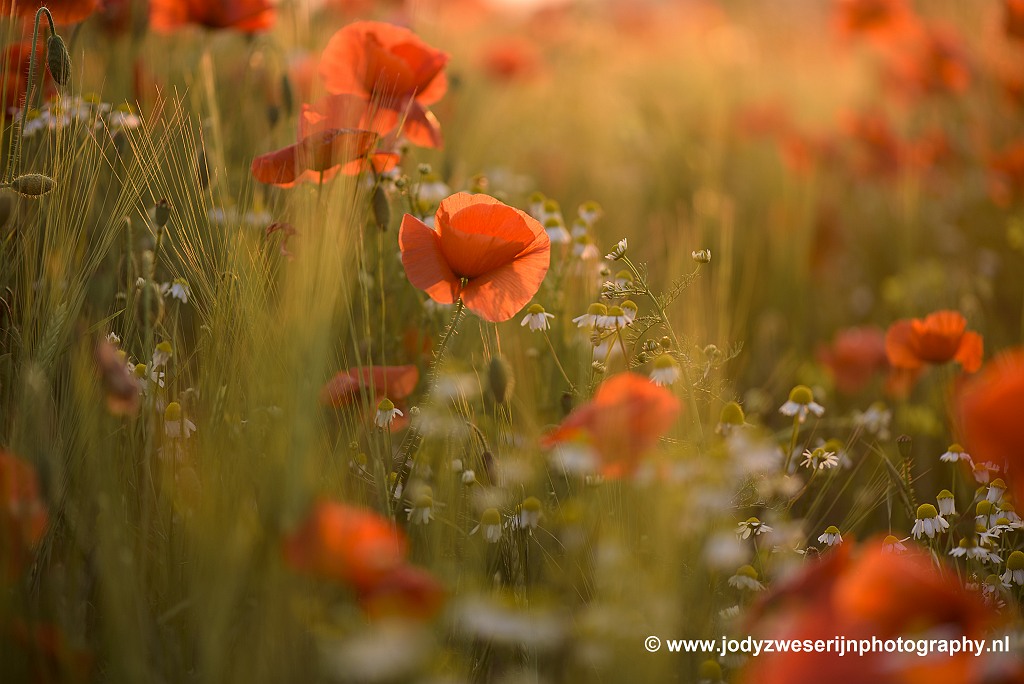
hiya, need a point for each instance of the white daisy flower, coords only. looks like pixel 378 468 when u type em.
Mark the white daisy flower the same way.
pixel 175 424
pixel 421 510
pixel 751 527
pixel 386 413
pixel 800 403
pixel 983 471
pixel 875 420
pixel 178 289
pixel 162 354
pixel 995 490
pixel 955 453
pixel 928 522
pixel 831 536
pixel 537 318
pixel 490 525
pixel 529 514
pixel 947 504
pixel 595 312
pixel 1014 569
pixel 746 578
pixel 665 370
pixel 819 459
pixel 893 544
pixel 620 250
pixel 557 232
pixel 590 212
pixel 614 319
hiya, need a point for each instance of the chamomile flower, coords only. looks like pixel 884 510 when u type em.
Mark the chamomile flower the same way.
pixel 529 514
pixel 985 514
pixel 1007 510
pixel 875 420
pixel 995 490
pixel 178 289
pixel 624 278
pixel 819 459
pixel 892 544
pixel 800 403
pixel 630 309
pixel 946 502
pixel 1014 569
pixel 432 189
pixel 162 354
pixel 665 371
pixel 145 376
pixel 955 453
pixel 421 510
pixel 490 525
pixel 113 339
pixel 595 312
pixel 175 424
pixel 584 249
pixel 468 477
pixel 557 232
pixel 614 319
pixel 831 536
pixel 386 413
pixel 620 250
pixel 746 578
pixel 589 212
pixel 751 527
pixel 928 522
pixel 983 471
pixel 537 318
pixel 730 418
pixel 535 205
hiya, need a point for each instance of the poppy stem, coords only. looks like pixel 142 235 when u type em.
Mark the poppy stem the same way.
pixel 15 154
pixel 554 355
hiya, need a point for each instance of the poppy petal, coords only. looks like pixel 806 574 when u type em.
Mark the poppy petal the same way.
pixel 483 237
pixel 970 352
pixel 500 294
pixel 424 262
pixel 278 167
pixel 899 345
pixel 421 127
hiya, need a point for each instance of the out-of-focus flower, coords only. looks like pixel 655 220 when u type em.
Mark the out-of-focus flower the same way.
pixel 876 149
pixel 665 370
pixel 394 69
pixel 386 413
pixel 893 544
pixel 987 411
pixel 396 382
pixel 491 256
pixel 176 425
pixel 314 156
pixel 800 403
pixel 880 21
pixel 870 593
pixel 819 459
pixel 937 338
pixel 746 578
pixel 407 592
pixel 931 62
pixel 22 514
pixel 508 59
pixel 16 57
pixel 751 527
pixel 345 544
pixel 63 11
pixel 1006 174
pixel 1013 19
pixel 177 289
pixel 249 16
pixel 624 420
pixel 120 385
pixel 854 357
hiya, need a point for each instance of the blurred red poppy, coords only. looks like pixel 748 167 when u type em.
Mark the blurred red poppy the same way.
pixel 346 544
pixel 492 256
pixel 624 420
pixel 937 338
pixel 1013 19
pixel 854 357
pixel 63 11
pixel 875 594
pixel 1006 175
pixel 510 59
pixel 987 412
pixel 875 20
pixel 249 16
pixel 394 382
pixel 932 62
pixel 16 60
pixel 877 151
pixel 22 514
pixel 408 592
pixel 121 386
pixel 390 66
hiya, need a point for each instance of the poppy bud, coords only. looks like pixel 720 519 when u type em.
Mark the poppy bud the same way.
pixel 58 61
pixel 499 373
pixel 381 208
pixel 162 213
pixel 32 185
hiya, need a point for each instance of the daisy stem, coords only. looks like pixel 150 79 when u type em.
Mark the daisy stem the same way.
pixel 792 443
pixel 691 398
pixel 554 355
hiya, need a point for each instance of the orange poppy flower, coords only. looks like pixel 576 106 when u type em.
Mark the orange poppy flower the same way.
pixel 394 382
pixel 1006 175
pixel 63 11
pixel 407 593
pixel 1013 19
pixel 876 20
pixel 16 60
pixel 987 412
pixel 315 158
pixel 937 338
pixel 933 62
pixel 249 16
pixel 624 420
pixel 394 69
pixel 875 594
pixel 854 357
pixel 510 59
pixel 877 150
pixel 346 544
pixel 22 514
pixel 492 256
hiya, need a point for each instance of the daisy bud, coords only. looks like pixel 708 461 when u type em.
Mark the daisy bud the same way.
pixel 162 213
pixel 702 256
pixel 502 381
pixel 381 208
pixel 424 169
pixel 32 185
pixel 58 61
pixel 666 343
pixel 650 346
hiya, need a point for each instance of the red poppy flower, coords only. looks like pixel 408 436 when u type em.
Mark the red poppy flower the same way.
pixel 937 338
pixel 624 420
pixel 854 357
pixel 250 16
pixel 510 59
pixel 877 150
pixel 315 158
pixel 342 543
pixel 932 62
pixel 1013 19
pixel 407 593
pixel 1006 175
pixel 876 20
pixel 987 411
pixel 121 386
pixel 63 11
pixel 22 514
pixel 875 594
pixel 492 256
pixel 16 59
pixel 394 69
pixel 394 382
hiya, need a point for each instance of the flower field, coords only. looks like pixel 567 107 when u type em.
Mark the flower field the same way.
pixel 512 341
